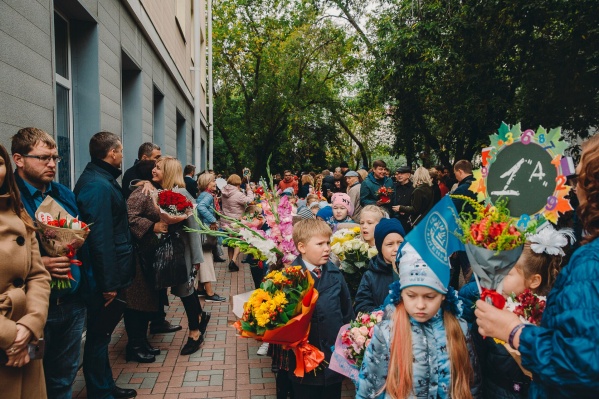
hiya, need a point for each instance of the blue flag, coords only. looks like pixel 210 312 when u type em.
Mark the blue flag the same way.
pixel 434 238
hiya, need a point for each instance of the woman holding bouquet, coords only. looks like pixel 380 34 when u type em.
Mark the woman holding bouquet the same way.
pixel 562 352
pixel 422 197
pixel 168 174
pixel 24 293
pixel 142 299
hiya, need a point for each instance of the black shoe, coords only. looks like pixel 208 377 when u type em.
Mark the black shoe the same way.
pixel 192 345
pixel 122 393
pixel 163 327
pixel 233 267
pixel 138 354
pixel 215 298
pixel 219 259
pixel 204 323
pixel 150 349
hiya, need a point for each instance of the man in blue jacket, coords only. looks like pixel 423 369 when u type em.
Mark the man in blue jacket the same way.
pixel 36 156
pixel 101 202
pixel 373 183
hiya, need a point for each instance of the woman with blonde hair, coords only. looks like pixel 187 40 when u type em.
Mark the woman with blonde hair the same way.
pixel 421 199
pixel 234 203
pixel 306 186
pixel 168 174
pixel 24 293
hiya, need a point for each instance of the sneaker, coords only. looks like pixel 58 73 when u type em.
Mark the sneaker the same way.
pixel 233 267
pixel 215 298
pixel 263 349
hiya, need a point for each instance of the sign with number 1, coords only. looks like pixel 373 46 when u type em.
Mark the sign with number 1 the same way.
pixel 524 167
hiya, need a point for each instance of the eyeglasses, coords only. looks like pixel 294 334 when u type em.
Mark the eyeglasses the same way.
pixel 44 158
pixel 287 175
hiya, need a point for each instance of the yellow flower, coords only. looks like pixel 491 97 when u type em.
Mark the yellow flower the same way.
pixel 280 299
pixel 356 230
pixel 258 297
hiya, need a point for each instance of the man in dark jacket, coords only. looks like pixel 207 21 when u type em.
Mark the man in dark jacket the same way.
pixel 36 156
pixel 146 151
pixel 191 185
pixel 403 194
pixel 373 183
pixel 463 172
pixel 101 202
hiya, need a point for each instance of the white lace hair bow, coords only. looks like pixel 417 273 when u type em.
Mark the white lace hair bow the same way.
pixel 550 240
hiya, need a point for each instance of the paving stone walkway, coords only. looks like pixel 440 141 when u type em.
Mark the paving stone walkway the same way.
pixel 226 366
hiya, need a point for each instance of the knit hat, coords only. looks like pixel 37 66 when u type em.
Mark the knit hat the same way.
pixel 413 271
pixel 343 200
pixel 384 228
pixel 325 213
pixel 287 191
pixel 305 213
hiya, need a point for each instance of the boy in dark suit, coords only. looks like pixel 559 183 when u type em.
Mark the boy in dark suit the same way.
pixel 333 308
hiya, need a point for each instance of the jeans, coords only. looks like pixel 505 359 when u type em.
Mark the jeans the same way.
pixel 62 333
pixel 96 365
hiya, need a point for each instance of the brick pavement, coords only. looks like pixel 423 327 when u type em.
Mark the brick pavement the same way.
pixel 226 366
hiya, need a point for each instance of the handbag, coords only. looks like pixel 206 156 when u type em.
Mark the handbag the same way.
pixel 209 242
pixel 169 266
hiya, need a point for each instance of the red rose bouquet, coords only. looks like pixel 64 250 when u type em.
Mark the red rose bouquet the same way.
pixel 60 235
pixel 384 194
pixel 528 306
pixel 173 203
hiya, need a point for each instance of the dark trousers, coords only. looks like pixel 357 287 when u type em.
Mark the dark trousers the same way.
pixel 284 385
pixel 96 365
pixel 193 309
pixel 62 333
pixel 302 391
pixel 136 325
pixel 459 262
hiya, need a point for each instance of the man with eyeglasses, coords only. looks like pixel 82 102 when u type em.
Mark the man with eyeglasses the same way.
pixel 288 182
pixel 36 156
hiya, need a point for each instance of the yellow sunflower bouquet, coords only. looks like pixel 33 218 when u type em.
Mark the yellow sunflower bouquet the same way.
pixel 279 312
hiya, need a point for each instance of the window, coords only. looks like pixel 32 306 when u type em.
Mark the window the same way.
pixel 64 100
pixel 158 118
pixel 181 139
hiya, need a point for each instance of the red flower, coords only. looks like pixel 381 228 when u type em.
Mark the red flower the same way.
pixel 496 298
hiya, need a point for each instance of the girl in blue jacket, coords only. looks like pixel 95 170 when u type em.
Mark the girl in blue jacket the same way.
pixel 422 347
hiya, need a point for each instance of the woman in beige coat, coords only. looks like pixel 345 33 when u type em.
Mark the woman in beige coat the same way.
pixel 24 293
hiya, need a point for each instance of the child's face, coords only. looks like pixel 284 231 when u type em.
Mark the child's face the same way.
pixel 314 209
pixel 339 212
pixel 390 245
pixel 368 221
pixel 422 303
pixel 514 282
pixel 317 250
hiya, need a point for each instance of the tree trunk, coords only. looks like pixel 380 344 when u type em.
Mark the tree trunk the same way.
pixel 360 145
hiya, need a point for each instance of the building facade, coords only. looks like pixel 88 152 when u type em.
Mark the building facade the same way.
pixel 77 67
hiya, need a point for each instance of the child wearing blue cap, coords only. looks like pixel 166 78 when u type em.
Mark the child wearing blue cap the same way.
pixel 422 347
pixel 374 286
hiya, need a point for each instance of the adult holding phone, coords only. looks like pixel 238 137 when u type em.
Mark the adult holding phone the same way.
pixel 24 293
pixel 562 353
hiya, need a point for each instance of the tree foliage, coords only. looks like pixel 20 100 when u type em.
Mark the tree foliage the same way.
pixel 279 73
pixel 451 71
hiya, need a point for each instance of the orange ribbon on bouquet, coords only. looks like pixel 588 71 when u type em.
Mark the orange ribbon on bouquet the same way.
pixel 294 336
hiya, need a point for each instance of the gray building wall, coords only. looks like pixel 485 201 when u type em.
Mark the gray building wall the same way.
pixel 27 77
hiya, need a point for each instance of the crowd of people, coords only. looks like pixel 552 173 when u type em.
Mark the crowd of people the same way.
pixel 430 342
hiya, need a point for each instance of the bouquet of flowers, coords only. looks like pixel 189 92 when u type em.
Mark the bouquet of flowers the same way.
pixel 493 244
pixel 354 254
pixel 275 245
pixel 279 312
pixel 384 194
pixel 173 203
pixel 60 235
pixel 351 344
pixel 528 306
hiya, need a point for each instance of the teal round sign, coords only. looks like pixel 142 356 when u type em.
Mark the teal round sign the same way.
pixel 524 174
